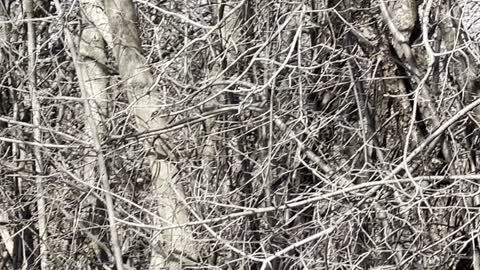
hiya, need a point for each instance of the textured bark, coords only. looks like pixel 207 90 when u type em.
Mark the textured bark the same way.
pixel 92 62
pixel 88 81
pixel 91 65
pixel 175 248
pixel 100 159
pixel 404 15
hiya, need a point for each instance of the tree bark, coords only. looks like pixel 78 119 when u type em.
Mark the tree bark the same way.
pixel 177 248
pixel 92 60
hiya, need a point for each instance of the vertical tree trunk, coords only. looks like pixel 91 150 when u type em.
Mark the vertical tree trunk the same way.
pixel 92 60
pixel 87 88
pixel 100 159
pixel 177 248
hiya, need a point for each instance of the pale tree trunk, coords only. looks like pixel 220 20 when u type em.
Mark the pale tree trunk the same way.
pixel 91 67
pixel 100 159
pixel 37 135
pixel 175 248
pixel 88 88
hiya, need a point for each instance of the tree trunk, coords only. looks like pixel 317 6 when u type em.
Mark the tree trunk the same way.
pixel 174 248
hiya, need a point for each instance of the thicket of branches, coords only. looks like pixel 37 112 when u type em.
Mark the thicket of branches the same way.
pixel 304 135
